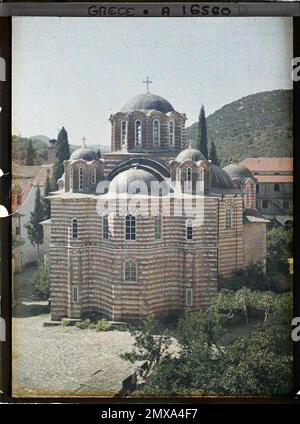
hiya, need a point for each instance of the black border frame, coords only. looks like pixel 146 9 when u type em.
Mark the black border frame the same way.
pixel 5 239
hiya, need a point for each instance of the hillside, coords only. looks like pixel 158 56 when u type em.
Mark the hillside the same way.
pixel 256 125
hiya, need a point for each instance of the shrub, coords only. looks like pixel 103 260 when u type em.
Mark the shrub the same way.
pixel 83 325
pixel 42 282
pixel 102 325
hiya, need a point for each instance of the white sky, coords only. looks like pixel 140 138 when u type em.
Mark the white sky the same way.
pixel 75 72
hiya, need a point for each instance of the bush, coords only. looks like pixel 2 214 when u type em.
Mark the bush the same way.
pixel 83 325
pixel 102 325
pixel 42 282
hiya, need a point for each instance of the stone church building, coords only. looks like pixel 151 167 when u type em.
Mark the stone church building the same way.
pixel 150 227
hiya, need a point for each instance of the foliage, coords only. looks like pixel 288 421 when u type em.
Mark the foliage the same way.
pixel 57 172
pixel 213 156
pixel 259 363
pixel 103 325
pixel 202 133
pixel 279 249
pixel 17 240
pixel 47 204
pixel 257 125
pixel 151 345
pixel 30 154
pixel 34 228
pixel 84 325
pixel 42 281
pixel 63 149
pixel 252 277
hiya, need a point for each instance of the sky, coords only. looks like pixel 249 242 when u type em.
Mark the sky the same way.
pixel 75 72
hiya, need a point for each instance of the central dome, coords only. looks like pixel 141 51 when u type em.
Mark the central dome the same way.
pixel 130 181
pixel 190 154
pixel 148 101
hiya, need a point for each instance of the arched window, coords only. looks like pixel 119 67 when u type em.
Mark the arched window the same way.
pixel 157 227
pixel 138 133
pixel 130 271
pixel 156 132
pixel 123 133
pixel 105 228
pixel 130 227
pixel 189 230
pixel 75 294
pixel 276 187
pixel 189 297
pixel 189 178
pixel 74 228
pixel 228 219
pixel 171 133
pixel 94 176
pixel 80 179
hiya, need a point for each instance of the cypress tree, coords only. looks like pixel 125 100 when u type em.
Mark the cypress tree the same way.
pixel 57 171
pixel 47 204
pixel 202 133
pixel 30 154
pixel 34 228
pixel 213 156
pixel 63 148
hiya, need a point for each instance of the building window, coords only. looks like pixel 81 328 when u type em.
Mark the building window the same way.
pixel 94 176
pixel 75 294
pixel 189 177
pixel 105 228
pixel 228 219
pixel 257 204
pixel 80 179
pixel 276 187
pixel 130 271
pixel 286 204
pixel 257 188
pixel 189 297
pixel 156 132
pixel 157 227
pixel 265 204
pixel 130 227
pixel 138 133
pixel 171 133
pixel 18 231
pixel 189 230
pixel 123 133
pixel 74 228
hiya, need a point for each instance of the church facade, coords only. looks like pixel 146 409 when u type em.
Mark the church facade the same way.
pixel 150 227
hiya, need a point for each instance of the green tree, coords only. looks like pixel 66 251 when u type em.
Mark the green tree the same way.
pixel 57 172
pixel 213 156
pixel 42 281
pixel 34 228
pixel 202 133
pixel 47 204
pixel 30 154
pixel 63 148
pixel 150 346
pixel 279 249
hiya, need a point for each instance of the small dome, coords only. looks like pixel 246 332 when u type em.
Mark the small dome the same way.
pixel 190 154
pixel 84 153
pixel 238 172
pixel 148 101
pixel 132 181
pixel 219 178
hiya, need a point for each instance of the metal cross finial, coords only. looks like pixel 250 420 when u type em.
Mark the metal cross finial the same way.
pixel 83 141
pixel 147 82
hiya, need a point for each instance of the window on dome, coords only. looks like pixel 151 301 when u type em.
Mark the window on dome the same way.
pixel 189 230
pixel 74 228
pixel 105 228
pixel 123 133
pixel 130 271
pixel 156 132
pixel 130 233
pixel 189 177
pixel 138 133
pixel 228 219
pixel 80 179
pixel 94 176
pixel 171 133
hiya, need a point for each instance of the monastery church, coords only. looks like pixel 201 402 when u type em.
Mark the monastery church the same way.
pixel 152 257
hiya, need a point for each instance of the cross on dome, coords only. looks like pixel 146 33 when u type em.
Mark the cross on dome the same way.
pixel 147 82
pixel 83 141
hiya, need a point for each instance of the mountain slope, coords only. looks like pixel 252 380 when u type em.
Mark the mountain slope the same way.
pixel 253 126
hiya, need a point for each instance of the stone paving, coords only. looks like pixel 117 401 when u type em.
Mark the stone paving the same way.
pixel 55 361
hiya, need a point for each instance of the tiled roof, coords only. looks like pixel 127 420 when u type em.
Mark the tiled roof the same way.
pixel 268 164
pixel 274 178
